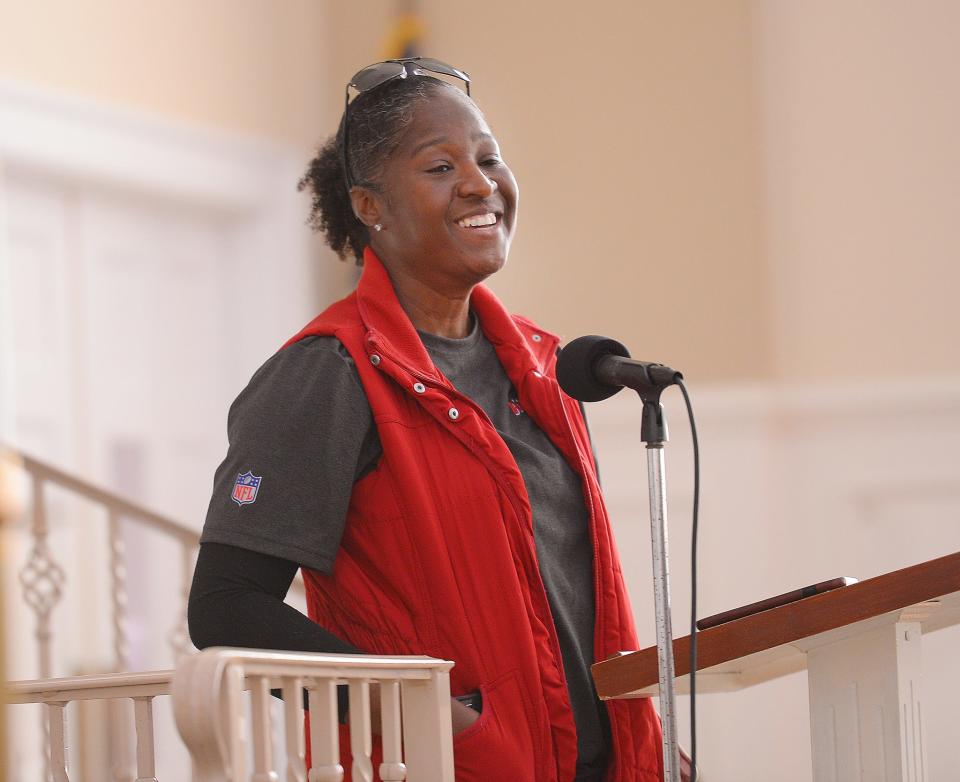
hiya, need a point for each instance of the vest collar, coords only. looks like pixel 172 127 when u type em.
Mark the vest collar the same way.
pixel 390 328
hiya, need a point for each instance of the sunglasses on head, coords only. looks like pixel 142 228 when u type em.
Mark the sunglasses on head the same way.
pixel 380 73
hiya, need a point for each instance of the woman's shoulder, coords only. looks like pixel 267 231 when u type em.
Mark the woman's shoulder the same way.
pixel 315 372
pixel 307 359
pixel 316 348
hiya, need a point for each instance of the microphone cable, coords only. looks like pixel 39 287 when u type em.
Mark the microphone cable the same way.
pixel 693 582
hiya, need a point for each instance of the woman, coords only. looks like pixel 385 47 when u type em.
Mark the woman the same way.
pixel 411 451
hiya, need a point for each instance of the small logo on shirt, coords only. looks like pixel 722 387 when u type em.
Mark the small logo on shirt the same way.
pixel 246 488
pixel 514 404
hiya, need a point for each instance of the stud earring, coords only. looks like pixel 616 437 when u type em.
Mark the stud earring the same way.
pixel 378 227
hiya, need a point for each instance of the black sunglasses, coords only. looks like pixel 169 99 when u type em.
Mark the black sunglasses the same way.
pixel 380 73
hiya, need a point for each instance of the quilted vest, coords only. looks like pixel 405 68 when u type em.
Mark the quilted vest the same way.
pixel 438 557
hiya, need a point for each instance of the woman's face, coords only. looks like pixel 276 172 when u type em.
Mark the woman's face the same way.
pixel 448 202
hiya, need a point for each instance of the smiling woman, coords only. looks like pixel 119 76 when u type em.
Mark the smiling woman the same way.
pixel 432 185
pixel 447 204
pixel 414 455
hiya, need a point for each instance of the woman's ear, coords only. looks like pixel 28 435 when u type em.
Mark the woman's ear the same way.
pixel 366 205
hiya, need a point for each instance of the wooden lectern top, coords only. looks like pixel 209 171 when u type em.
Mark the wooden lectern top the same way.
pixel 773 643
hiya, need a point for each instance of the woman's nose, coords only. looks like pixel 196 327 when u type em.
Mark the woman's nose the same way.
pixel 477 184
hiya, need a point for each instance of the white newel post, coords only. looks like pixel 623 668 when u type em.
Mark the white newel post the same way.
pixel 428 732
pixel 865 703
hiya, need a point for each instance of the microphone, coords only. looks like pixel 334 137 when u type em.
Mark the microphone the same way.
pixel 594 368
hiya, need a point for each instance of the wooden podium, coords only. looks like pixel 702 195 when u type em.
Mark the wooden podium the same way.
pixel 861 647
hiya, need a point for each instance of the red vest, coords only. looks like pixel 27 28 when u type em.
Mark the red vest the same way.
pixel 438 556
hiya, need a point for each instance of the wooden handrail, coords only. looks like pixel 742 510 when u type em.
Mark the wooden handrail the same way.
pixel 792 623
pixel 92 687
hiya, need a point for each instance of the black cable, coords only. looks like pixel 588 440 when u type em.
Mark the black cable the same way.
pixel 693 580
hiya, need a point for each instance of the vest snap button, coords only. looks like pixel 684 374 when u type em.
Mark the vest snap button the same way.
pixel 453 413
pixel 536 337
pixel 375 359
pixel 419 387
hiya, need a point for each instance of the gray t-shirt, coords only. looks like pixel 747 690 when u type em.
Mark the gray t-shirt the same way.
pixel 303 427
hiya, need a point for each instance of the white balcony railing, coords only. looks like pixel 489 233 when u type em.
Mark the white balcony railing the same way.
pixel 208 701
pixel 43 579
pixel 57 694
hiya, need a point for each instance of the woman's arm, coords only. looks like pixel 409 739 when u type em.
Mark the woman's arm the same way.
pixel 237 600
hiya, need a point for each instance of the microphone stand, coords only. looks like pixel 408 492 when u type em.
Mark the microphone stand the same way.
pixel 654 433
pixel 592 368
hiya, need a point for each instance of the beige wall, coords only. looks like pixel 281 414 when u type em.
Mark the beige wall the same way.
pixel 862 186
pixel 630 127
pixel 781 176
pixel 651 182
pixel 248 67
pixel 242 65
pixel 755 190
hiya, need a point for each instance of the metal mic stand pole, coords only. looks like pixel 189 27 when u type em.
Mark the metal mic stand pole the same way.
pixel 654 434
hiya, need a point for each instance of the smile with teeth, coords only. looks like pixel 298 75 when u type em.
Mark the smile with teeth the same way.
pixel 478 221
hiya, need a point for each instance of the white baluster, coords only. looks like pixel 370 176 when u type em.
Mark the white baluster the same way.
pixel 324 733
pixel 262 736
pixel 392 768
pixel 232 715
pixel 121 762
pixel 143 719
pixel 118 592
pixel 293 730
pixel 361 742
pixel 57 731
pixel 120 741
pixel 42 581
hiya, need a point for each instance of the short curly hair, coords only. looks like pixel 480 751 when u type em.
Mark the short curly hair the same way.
pixel 377 120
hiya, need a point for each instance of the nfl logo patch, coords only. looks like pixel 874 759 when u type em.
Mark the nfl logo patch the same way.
pixel 246 488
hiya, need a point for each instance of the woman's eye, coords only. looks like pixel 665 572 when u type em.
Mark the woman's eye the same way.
pixel 491 161
pixel 441 169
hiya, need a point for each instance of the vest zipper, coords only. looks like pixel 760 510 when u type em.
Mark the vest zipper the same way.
pixel 517 509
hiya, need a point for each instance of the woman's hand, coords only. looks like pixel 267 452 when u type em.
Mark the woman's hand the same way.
pixel 462 716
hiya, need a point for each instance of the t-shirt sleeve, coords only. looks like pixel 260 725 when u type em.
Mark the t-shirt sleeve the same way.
pixel 296 433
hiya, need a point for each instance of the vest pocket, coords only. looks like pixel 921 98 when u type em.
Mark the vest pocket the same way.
pixel 499 745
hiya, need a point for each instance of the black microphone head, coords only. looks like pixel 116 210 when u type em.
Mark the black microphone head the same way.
pixel 575 367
